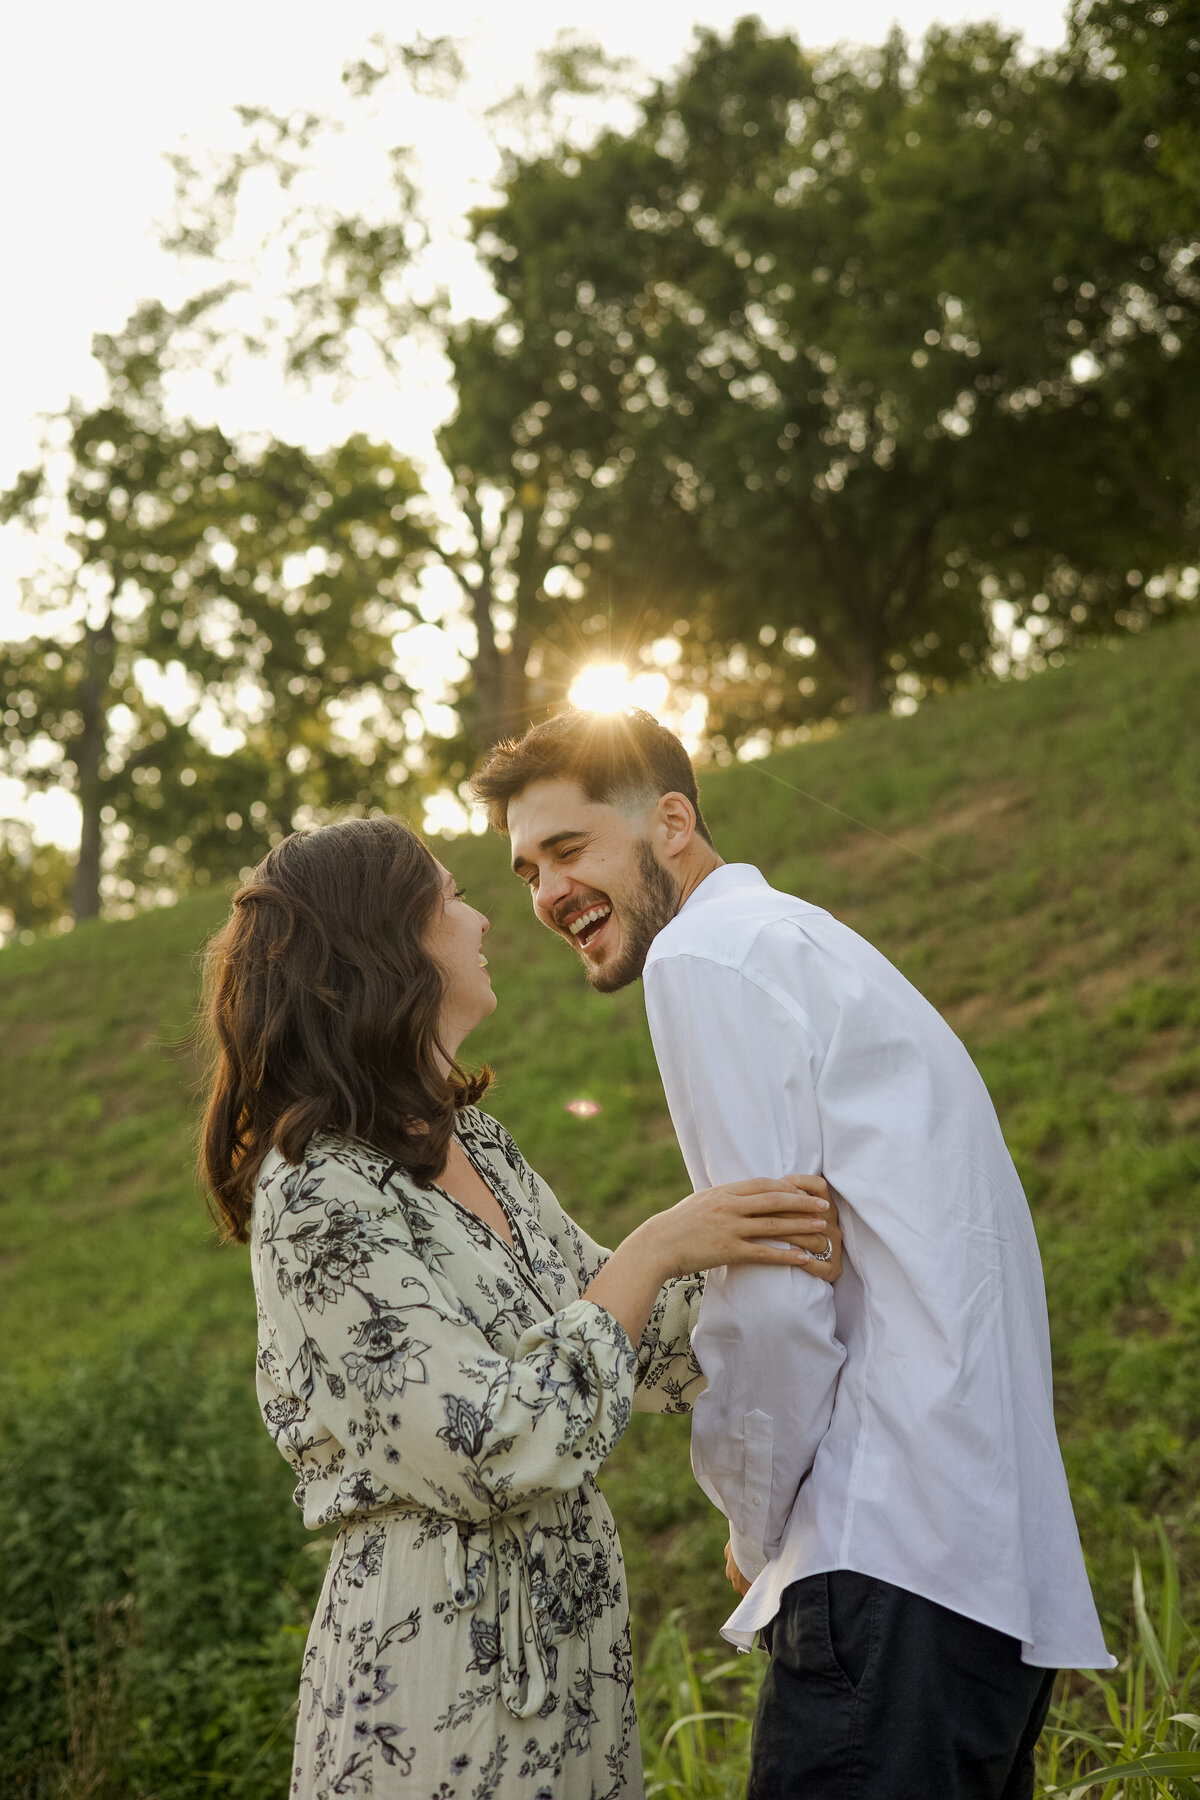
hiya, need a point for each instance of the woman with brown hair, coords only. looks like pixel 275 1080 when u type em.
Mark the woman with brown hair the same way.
pixel 445 1359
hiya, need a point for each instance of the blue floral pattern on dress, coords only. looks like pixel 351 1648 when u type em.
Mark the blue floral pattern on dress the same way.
pixel 446 1400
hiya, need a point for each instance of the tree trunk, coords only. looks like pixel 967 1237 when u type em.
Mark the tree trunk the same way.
pixel 499 703
pixel 85 885
pixel 866 686
pixel 500 699
pixel 88 755
pixel 516 683
pixel 489 699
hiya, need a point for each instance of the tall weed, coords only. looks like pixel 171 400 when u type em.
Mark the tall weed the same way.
pixel 695 1708
pixel 1146 1740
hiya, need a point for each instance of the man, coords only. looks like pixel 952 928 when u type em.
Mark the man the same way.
pixel 885 1452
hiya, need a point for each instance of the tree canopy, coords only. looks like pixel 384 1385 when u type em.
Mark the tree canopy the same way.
pixel 826 379
pixel 221 663
pixel 840 348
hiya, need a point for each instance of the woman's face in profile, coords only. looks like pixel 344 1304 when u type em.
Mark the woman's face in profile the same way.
pixel 455 941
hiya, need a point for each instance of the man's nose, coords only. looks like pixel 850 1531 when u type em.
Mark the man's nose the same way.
pixel 552 891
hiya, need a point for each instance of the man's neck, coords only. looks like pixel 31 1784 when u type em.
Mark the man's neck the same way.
pixel 700 866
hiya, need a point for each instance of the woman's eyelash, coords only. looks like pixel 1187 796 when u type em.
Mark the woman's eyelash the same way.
pixel 460 893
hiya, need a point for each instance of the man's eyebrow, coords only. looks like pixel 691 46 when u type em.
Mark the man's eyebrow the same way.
pixel 549 843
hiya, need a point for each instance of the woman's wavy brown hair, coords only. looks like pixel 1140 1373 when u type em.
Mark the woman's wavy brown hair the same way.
pixel 321 1008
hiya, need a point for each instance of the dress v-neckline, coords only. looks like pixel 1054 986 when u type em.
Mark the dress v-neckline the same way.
pixel 517 1249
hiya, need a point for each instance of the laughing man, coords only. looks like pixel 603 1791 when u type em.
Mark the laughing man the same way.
pixel 885 1452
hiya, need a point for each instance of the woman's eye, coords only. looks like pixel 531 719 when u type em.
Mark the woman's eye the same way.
pixel 460 893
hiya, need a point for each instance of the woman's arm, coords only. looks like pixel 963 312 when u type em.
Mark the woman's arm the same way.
pixel 668 1376
pixel 419 1404
pixel 742 1222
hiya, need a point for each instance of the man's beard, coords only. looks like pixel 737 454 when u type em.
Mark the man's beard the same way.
pixel 652 904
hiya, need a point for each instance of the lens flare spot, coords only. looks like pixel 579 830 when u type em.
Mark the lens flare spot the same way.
pixel 602 688
pixel 609 688
pixel 582 1109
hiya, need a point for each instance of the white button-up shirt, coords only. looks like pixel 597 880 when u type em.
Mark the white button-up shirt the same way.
pixel 900 1423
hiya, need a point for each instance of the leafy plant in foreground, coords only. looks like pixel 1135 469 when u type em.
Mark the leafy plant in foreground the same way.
pixel 695 1709
pixel 155 1589
pixel 1149 1742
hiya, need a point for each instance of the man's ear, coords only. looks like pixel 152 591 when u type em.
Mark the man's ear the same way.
pixel 675 819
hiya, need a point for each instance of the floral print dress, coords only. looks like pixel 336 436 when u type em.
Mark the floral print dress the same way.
pixel 448 1401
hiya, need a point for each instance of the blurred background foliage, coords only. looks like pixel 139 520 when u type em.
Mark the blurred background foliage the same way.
pixel 819 382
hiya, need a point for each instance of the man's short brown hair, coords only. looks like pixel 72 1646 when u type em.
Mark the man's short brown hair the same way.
pixel 611 756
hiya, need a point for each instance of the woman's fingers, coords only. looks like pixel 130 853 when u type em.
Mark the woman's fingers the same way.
pixel 774 1253
pixel 775 1205
pixel 823 1259
pixel 799 1229
pixel 814 1185
pixel 734 1221
pixel 734 1574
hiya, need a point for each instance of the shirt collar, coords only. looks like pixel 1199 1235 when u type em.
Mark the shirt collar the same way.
pixel 721 881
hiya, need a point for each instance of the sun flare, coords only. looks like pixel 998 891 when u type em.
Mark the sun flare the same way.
pixel 609 688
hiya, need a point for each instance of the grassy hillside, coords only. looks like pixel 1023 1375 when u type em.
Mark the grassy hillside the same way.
pixel 1051 910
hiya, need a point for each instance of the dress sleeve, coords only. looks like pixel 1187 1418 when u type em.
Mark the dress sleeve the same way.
pixel 402 1376
pixel 668 1375
pixel 739 1075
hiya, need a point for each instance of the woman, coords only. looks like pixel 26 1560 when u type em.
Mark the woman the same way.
pixel 444 1358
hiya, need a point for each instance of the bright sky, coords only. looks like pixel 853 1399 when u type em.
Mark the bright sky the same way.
pixel 91 97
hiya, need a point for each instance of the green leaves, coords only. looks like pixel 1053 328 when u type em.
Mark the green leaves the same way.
pixel 1151 179
pixel 846 350
pixel 1153 1746
pixel 223 659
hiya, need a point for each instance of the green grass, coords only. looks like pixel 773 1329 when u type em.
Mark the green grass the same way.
pixel 1052 913
pixel 1132 1736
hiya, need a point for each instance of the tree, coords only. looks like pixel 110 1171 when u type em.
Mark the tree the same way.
pixel 34 880
pixel 864 316
pixel 505 524
pixel 1150 52
pixel 220 660
pixel 512 517
pixel 524 483
pixel 805 366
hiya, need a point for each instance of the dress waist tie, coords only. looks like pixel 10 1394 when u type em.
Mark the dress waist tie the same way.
pixel 536 1584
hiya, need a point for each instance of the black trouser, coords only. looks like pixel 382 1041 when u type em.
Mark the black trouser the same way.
pixel 873 1693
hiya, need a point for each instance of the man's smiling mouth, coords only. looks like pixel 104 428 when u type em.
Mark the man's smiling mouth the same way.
pixel 587 927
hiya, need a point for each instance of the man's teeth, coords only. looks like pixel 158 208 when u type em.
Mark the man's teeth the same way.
pixel 482 960
pixel 588 918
